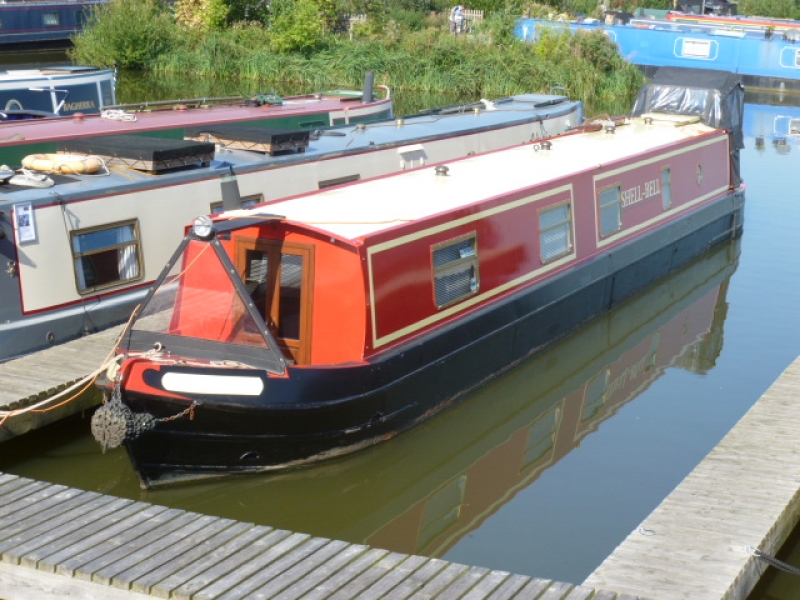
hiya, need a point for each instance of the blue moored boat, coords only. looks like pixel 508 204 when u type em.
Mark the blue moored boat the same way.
pixel 31 22
pixel 59 90
pixel 763 59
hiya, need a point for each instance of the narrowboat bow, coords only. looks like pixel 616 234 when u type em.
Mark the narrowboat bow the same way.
pixel 314 326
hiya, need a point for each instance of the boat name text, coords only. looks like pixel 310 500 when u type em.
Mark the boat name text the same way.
pixel 83 105
pixel 640 192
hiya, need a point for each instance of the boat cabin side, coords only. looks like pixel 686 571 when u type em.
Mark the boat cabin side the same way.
pixel 251 293
pixel 321 298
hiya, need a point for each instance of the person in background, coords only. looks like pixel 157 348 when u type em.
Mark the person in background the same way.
pixel 457 19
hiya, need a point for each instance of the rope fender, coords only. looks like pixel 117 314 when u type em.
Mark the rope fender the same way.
pixel 114 423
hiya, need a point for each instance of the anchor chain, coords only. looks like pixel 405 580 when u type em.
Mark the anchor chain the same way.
pixel 114 423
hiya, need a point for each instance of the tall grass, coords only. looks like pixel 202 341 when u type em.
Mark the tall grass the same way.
pixel 587 66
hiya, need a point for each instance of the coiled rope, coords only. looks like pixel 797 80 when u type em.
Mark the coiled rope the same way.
pixel 771 560
pixel 117 115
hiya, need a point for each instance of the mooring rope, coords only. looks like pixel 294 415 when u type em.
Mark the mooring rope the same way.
pixel 771 560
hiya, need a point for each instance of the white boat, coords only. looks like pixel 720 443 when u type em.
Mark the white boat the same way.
pixel 81 245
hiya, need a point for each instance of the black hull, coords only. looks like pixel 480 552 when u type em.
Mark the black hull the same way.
pixel 323 413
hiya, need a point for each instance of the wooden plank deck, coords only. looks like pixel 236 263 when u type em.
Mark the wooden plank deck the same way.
pixel 745 493
pixel 58 542
pixel 29 383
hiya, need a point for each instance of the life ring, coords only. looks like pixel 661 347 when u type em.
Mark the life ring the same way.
pixel 63 164
pixel 14 105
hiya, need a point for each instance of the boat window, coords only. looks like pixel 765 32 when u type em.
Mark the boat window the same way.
pixel 338 181
pixel 198 299
pixel 455 270
pixel 50 19
pixel 666 188
pixel 106 256
pixel 555 232
pixel 247 202
pixel 277 275
pixel 610 211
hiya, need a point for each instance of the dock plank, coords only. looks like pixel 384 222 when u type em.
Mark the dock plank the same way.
pixel 509 588
pixel 139 536
pixel 229 567
pixel 34 379
pixel 265 556
pixel 79 544
pixel 352 572
pixel 742 494
pixel 283 573
pixel 358 586
pixel 462 581
pixel 185 553
pixel 173 544
pixel 241 535
pixel 83 524
pixel 326 572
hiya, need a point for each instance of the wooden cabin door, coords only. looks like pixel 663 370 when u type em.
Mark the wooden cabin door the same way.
pixel 278 276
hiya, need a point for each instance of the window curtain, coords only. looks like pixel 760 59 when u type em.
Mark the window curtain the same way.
pixel 127 260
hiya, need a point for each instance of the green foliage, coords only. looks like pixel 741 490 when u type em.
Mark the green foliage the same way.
pixel 409 20
pixel 203 15
pixel 595 48
pixel 297 26
pixel 407 51
pixel 499 27
pixel 780 9
pixel 130 33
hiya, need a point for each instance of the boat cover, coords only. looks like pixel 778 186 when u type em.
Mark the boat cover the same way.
pixel 717 97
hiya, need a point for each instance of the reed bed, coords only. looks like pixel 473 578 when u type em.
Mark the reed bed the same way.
pixel 586 66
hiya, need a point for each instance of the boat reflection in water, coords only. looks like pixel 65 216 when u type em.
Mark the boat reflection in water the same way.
pixel 773 121
pixel 434 485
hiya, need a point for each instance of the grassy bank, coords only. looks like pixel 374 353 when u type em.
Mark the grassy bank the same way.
pixel 430 60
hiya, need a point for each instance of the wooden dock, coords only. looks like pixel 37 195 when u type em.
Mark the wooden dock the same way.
pixel 30 383
pixel 745 493
pixel 58 542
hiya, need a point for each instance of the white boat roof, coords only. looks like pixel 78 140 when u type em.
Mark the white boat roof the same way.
pixel 355 211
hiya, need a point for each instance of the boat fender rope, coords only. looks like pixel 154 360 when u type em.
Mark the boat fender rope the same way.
pixel 117 115
pixel 771 560
pixel 114 423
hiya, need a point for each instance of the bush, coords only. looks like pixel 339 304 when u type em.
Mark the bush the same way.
pixel 297 26
pixel 128 33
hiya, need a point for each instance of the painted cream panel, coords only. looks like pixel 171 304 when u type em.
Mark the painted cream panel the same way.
pixel 46 266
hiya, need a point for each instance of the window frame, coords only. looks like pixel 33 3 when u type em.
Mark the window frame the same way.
pixel 216 208
pixel 296 350
pixel 51 19
pixel 570 234
pixel 463 263
pixel 76 256
pixel 666 188
pixel 601 206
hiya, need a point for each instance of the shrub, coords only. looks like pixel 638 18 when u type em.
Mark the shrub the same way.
pixel 128 33
pixel 297 26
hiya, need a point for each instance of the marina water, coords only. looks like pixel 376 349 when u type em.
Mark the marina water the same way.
pixel 547 469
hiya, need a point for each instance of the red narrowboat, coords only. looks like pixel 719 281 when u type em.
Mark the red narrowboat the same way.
pixel 314 326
